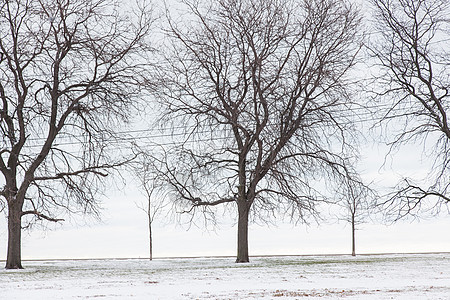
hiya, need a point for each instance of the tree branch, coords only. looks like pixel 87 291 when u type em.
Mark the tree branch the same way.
pixel 41 216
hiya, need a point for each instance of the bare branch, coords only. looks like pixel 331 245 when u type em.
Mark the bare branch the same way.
pixel 411 49
pixel 40 215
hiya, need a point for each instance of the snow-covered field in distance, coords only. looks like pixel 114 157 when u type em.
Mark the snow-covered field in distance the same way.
pixel 399 276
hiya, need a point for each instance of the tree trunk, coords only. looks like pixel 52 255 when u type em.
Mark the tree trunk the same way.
pixel 150 239
pixel 353 236
pixel 242 242
pixel 14 257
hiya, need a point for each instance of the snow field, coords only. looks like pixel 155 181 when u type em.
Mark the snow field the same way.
pixel 401 276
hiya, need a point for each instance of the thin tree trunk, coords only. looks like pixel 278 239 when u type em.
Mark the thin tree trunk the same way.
pixel 14 257
pixel 150 220
pixel 353 236
pixel 150 239
pixel 242 247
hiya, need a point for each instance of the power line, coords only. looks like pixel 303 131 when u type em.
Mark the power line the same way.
pixel 363 115
pixel 165 129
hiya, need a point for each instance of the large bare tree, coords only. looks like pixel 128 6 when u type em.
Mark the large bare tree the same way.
pixel 69 76
pixel 256 95
pixel 411 45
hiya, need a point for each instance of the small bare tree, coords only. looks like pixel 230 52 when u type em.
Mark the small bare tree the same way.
pixel 412 47
pixel 143 168
pixel 256 95
pixel 70 73
pixel 355 200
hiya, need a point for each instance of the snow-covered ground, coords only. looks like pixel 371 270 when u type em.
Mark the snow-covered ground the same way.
pixel 408 276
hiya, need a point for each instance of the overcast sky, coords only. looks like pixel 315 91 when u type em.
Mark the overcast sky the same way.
pixel 123 231
pixel 124 234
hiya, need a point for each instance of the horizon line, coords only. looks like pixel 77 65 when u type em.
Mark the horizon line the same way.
pixel 228 256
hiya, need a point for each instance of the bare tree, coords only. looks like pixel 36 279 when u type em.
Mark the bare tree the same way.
pixel 155 200
pixel 355 200
pixel 70 73
pixel 412 47
pixel 256 95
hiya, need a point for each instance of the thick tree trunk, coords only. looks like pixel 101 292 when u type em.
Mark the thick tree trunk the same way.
pixel 14 257
pixel 353 236
pixel 242 242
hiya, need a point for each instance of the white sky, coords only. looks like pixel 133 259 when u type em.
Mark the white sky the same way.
pixel 123 230
pixel 124 234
